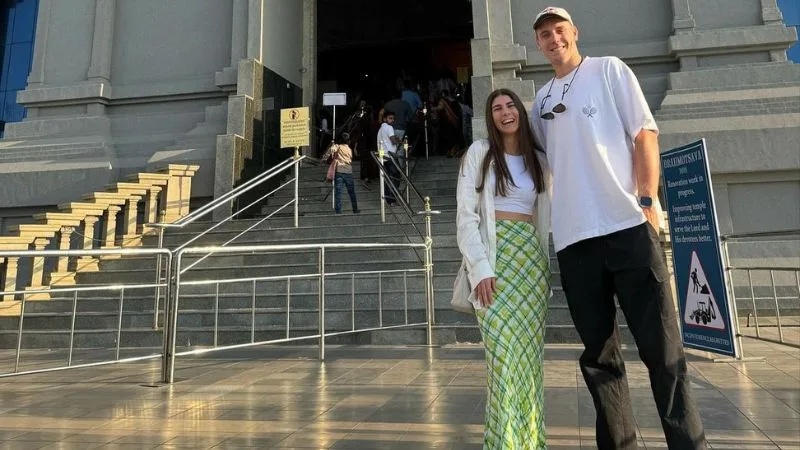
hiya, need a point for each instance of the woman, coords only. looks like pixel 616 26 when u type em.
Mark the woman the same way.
pixel 343 155
pixel 503 223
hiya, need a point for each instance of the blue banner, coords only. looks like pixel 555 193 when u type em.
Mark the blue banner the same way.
pixel 705 313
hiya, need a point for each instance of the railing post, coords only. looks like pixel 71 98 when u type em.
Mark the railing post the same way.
pixel 321 319
pixel 739 350
pixel 753 299
pixel 777 305
pixel 296 188
pixel 380 178
pixel 159 262
pixel 405 168
pixel 425 123
pixel 429 301
pixel 170 318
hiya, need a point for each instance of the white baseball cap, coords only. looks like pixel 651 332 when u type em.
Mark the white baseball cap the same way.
pixel 552 11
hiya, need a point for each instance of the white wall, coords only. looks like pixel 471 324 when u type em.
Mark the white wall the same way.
pixel 69 42
pixel 157 40
pixel 709 14
pixel 599 22
pixel 283 38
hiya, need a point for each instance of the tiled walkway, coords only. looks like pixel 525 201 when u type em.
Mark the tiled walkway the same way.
pixel 370 398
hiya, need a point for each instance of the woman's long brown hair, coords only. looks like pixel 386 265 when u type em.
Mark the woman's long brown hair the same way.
pixel 527 147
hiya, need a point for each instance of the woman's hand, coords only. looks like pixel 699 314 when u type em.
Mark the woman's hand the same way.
pixel 485 291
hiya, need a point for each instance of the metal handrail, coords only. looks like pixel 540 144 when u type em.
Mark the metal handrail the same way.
pixel 748 269
pixel 171 322
pixel 231 195
pixel 761 234
pixel 226 199
pixel 116 287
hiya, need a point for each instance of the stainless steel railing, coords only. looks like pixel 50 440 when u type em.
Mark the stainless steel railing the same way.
pixel 120 288
pixel 788 278
pixel 226 200
pixel 321 274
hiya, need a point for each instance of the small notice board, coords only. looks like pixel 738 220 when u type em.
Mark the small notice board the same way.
pixel 295 127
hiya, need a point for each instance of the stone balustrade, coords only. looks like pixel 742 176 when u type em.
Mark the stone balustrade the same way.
pixel 142 199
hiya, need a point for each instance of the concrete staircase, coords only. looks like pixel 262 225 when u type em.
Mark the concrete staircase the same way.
pixel 47 324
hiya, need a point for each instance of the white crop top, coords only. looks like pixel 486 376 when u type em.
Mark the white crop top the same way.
pixel 522 197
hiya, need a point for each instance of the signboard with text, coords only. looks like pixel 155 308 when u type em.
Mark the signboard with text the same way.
pixel 295 127
pixel 705 309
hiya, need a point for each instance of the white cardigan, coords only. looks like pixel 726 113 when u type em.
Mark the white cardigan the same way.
pixel 475 219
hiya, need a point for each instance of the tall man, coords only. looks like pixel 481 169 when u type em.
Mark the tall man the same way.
pixel 601 142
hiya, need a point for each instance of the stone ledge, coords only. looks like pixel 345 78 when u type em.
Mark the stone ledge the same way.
pixel 732 40
pixel 76 94
pixel 741 77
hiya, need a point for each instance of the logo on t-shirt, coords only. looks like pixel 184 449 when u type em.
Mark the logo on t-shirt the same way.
pixel 589 111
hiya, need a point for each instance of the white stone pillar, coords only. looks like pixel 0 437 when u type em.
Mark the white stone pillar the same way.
pixel 239 32
pixel 255 29
pixel 770 13
pixel 36 77
pixel 682 19
pixel 102 41
pixel 310 59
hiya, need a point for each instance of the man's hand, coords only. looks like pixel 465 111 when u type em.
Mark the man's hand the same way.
pixel 652 218
pixel 485 291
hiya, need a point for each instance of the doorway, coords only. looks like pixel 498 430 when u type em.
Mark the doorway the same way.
pixel 373 50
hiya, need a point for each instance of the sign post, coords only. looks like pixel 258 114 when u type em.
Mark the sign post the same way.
pixel 334 99
pixel 707 310
pixel 295 127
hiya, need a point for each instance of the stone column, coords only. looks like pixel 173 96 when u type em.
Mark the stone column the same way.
pixel 499 13
pixel 130 237
pixel 151 209
pixel 62 276
pixel 102 41
pixel 109 236
pixel 36 77
pixel 88 263
pixel 481 63
pixel 179 191
pixel 10 283
pixel 770 13
pixel 310 60
pixel 682 19
pixel 255 28
pixel 37 276
pixel 239 32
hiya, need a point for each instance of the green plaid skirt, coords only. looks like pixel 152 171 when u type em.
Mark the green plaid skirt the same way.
pixel 513 334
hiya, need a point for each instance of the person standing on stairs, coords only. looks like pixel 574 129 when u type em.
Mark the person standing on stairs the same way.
pixel 389 142
pixel 343 156
pixel 503 218
pixel 602 144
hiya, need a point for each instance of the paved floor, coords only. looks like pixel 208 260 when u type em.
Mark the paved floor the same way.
pixel 370 398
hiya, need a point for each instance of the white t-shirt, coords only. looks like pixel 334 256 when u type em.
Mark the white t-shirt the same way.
pixel 590 149
pixel 385 134
pixel 522 197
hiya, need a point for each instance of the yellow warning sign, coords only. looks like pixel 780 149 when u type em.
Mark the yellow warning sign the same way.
pixel 295 127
